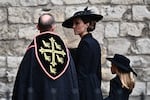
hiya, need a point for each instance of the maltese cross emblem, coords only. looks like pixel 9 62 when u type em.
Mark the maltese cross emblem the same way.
pixel 52 54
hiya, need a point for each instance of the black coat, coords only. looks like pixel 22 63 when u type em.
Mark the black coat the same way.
pixel 88 64
pixel 116 90
pixel 32 83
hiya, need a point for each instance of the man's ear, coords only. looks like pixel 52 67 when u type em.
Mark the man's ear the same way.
pixel 53 27
pixel 37 26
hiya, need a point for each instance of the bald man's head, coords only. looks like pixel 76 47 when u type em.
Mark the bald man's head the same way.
pixel 45 22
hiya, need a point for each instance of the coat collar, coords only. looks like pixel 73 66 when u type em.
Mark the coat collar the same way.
pixel 87 36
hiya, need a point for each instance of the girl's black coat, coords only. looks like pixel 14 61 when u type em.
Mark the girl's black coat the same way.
pixel 116 90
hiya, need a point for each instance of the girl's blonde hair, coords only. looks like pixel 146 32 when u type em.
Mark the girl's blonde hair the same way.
pixel 127 79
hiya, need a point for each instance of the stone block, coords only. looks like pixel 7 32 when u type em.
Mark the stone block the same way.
pixel 132 29
pixel 75 1
pixel 2 72
pixel 140 61
pixel 2 61
pixel 19 15
pixel 4 45
pixel 105 86
pixel 127 1
pixel 99 1
pixel 139 88
pixel 13 62
pixel 140 13
pixel 33 2
pixel 11 75
pixel 148 88
pixel 141 46
pixel 147 1
pixel 17 47
pixel 113 13
pixel 103 54
pixel 118 45
pixel 3 31
pixel 3 15
pixel 3 87
pixel 57 2
pixel 111 29
pixel 57 12
pixel 145 74
pixel 27 31
pixel 29 2
pixel 5 3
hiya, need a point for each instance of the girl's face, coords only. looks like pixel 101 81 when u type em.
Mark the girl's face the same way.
pixel 80 28
pixel 113 68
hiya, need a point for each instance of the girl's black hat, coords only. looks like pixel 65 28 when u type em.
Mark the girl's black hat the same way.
pixel 122 63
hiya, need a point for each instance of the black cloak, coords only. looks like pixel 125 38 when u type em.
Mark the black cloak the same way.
pixel 47 71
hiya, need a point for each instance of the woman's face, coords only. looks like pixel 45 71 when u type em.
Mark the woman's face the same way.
pixel 80 28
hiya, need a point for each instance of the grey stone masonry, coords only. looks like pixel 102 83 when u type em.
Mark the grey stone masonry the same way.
pixel 141 12
pixel 124 29
pixel 132 29
pixel 19 15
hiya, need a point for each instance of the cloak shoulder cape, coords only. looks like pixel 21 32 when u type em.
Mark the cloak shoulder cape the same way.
pixel 47 71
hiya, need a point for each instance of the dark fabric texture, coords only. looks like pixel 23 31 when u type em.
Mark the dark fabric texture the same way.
pixel 88 64
pixel 116 90
pixel 33 84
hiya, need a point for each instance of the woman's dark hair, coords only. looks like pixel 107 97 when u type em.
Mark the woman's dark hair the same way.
pixel 92 24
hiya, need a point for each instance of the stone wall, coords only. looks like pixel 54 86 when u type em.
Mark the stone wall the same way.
pixel 125 29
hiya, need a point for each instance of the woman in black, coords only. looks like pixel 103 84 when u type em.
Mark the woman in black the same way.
pixel 88 54
pixel 122 85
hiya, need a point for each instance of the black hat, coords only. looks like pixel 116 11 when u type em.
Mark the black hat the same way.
pixel 122 63
pixel 84 14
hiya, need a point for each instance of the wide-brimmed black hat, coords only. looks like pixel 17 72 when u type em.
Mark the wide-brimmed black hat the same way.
pixel 84 14
pixel 122 62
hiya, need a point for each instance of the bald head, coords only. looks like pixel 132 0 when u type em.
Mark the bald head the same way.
pixel 45 22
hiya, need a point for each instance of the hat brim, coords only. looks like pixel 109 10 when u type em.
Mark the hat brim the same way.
pixel 93 17
pixel 122 67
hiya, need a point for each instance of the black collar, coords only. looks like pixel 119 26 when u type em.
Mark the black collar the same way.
pixel 87 36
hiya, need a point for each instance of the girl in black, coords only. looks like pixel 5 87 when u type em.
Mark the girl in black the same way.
pixel 122 85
